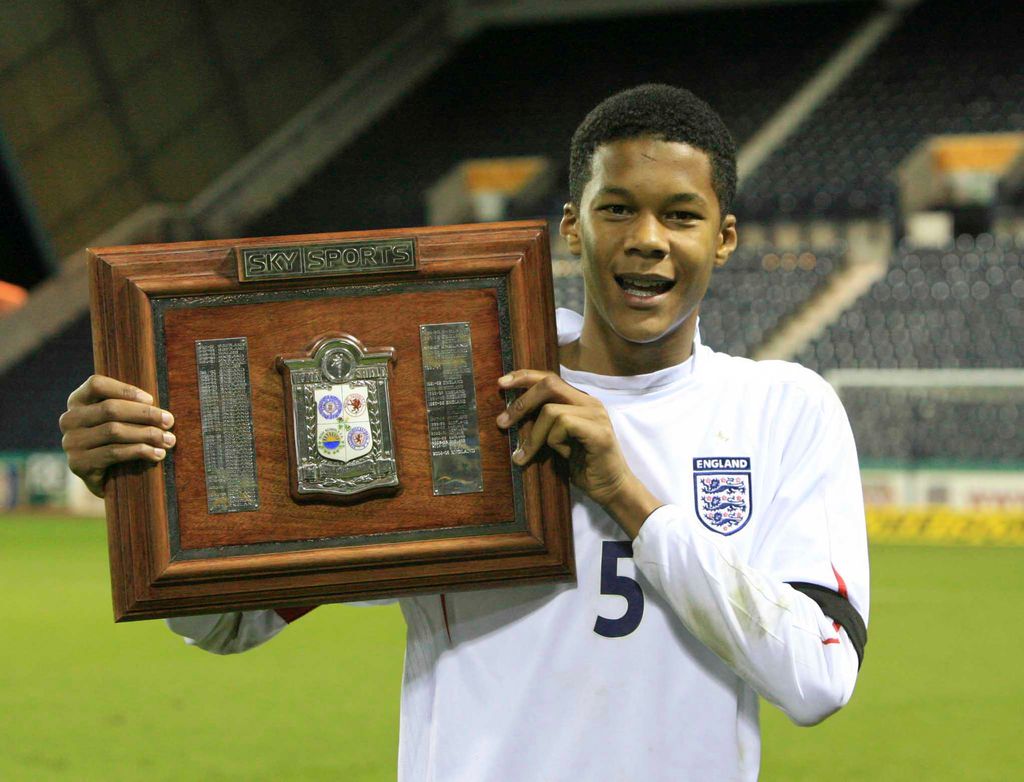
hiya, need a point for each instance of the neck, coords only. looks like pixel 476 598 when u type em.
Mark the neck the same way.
pixel 603 352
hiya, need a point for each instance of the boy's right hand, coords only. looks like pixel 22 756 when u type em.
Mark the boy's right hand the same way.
pixel 108 422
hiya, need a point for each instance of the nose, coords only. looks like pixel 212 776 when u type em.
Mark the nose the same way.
pixel 647 237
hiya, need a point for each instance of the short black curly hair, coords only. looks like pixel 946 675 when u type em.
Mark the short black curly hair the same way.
pixel 664 112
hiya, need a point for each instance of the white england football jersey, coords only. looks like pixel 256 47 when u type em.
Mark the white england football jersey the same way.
pixel 649 667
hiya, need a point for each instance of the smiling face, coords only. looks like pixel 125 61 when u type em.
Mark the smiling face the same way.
pixel 649 232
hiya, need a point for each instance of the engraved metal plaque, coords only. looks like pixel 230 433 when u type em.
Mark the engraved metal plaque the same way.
pixel 225 407
pixel 340 420
pixel 451 408
pixel 326 259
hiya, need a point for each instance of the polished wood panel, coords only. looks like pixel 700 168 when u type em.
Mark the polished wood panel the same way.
pixel 278 328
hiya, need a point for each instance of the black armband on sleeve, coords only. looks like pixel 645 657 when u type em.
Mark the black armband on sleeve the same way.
pixel 838 609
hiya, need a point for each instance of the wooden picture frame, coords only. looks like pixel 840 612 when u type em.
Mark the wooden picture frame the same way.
pixel 208 327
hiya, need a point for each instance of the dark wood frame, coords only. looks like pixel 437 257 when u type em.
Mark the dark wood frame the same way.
pixel 150 580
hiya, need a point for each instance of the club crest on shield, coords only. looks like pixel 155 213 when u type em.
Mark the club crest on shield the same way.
pixel 338 419
pixel 722 493
pixel 343 431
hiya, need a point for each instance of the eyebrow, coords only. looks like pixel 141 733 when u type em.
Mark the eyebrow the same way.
pixel 619 191
pixel 675 198
pixel 687 198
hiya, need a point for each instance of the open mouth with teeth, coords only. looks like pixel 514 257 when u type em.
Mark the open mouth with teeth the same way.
pixel 643 287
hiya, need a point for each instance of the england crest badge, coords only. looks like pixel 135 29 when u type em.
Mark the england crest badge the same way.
pixel 721 492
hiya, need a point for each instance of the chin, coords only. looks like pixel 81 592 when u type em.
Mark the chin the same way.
pixel 648 326
pixel 647 333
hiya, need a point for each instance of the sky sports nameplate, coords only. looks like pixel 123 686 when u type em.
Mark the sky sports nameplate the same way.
pixel 336 432
pixel 325 259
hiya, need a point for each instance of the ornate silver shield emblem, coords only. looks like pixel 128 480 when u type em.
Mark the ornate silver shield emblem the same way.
pixel 339 420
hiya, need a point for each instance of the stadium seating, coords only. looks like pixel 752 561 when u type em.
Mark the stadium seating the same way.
pixel 35 390
pixel 757 290
pixel 954 308
pixel 509 91
pixel 950 67
pixel 962 306
pixel 522 91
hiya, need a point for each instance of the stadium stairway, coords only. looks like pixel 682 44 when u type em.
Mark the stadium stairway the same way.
pixel 843 288
pixel 869 248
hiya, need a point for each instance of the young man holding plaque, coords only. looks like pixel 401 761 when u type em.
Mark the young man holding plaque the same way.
pixel 718 520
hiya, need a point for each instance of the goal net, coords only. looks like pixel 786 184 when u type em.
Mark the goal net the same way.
pixel 941 453
pixel 949 417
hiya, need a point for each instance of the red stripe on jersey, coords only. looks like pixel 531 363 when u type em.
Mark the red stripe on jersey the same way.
pixel 444 612
pixel 842 593
pixel 291 614
pixel 841 583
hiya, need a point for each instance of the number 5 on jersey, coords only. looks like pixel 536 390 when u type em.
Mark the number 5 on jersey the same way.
pixel 623 586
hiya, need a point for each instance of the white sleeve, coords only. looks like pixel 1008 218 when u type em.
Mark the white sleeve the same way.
pixel 814 522
pixel 239 631
pixel 775 638
pixel 229 633
pixel 811 529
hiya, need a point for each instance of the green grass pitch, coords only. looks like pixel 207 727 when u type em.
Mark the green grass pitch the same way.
pixel 81 698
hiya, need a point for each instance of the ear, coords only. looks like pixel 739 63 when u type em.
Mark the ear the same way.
pixel 569 228
pixel 727 239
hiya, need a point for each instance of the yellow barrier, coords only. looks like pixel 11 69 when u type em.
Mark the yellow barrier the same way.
pixel 942 525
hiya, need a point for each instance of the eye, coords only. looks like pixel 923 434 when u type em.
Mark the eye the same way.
pixel 682 217
pixel 618 210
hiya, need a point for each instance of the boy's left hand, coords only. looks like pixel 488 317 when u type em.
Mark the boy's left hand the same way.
pixel 576 426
